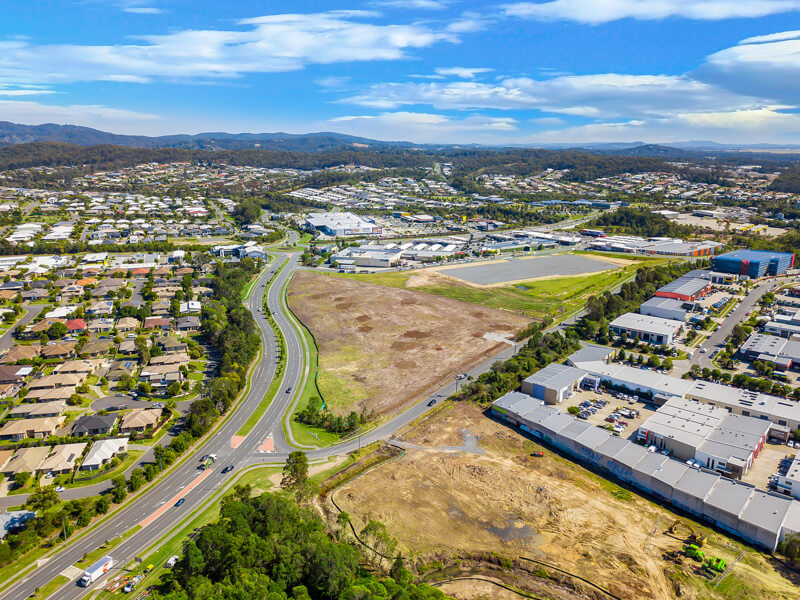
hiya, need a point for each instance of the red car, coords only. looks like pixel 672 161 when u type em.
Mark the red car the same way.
pixel 537 454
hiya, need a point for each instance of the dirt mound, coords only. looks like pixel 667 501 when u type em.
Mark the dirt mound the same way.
pixel 403 345
pixel 408 302
pixel 344 305
pixel 416 335
pixel 405 364
pixel 362 318
pixel 364 329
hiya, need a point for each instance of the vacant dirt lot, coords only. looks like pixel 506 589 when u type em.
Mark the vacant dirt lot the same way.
pixel 500 499
pixel 382 347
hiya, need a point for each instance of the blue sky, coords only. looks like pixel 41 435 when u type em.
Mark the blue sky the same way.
pixel 456 71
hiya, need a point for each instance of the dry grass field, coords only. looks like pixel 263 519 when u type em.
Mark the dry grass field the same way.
pixel 382 347
pixel 500 499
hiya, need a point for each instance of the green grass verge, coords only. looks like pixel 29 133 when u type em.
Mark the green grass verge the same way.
pixel 127 463
pixel 92 556
pixel 48 590
pixel 305 435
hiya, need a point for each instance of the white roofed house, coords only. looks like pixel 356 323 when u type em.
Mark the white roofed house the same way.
pixel 103 451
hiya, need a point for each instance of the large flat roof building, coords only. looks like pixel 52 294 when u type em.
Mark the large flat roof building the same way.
pixel 664 308
pixel 685 288
pixel 554 383
pixel 760 518
pixel 782 353
pixel 720 441
pixel 654 330
pixel 341 224
pixel 753 263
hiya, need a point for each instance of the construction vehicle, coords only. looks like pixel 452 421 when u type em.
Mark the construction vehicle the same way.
pixel 693 551
pixel 674 556
pixel 694 537
pixel 716 564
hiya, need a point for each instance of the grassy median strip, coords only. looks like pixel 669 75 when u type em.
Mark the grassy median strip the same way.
pixel 256 415
pixel 50 588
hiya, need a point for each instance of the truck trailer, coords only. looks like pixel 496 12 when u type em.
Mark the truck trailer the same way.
pixel 96 571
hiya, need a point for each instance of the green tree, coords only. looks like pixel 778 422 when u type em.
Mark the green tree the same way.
pixel 43 498
pixel 21 478
pixel 57 330
pixel 295 471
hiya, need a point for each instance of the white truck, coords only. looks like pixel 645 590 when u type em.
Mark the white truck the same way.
pixel 96 571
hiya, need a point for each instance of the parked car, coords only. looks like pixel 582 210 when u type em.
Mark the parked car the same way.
pixel 60 489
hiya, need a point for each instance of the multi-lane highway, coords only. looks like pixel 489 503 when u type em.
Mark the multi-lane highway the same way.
pixel 154 509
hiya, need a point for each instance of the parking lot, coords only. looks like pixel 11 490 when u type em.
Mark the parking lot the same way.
pixel 519 269
pixel 612 402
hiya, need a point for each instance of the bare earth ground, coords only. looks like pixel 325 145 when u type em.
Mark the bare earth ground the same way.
pixel 382 347
pixel 549 508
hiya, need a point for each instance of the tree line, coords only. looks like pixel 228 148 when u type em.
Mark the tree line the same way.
pixel 268 547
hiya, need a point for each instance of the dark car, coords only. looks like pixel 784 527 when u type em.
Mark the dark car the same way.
pixel 288 389
pixel 432 402
pixel 181 501
pixel 228 469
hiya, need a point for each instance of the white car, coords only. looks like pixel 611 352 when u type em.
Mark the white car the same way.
pixel 60 489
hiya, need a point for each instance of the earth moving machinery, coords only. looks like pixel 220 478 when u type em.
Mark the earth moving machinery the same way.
pixel 694 537
pixel 716 564
pixel 693 551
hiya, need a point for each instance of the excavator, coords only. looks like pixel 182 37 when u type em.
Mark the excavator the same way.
pixel 694 537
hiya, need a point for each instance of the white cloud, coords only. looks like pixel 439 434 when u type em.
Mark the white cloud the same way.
pixel 732 127
pixel 29 90
pixel 768 65
pixel 607 95
pixel 462 72
pixel 143 10
pixel 272 43
pixel 88 115
pixel 333 82
pixel 426 127
pixel 416 4
pixel 604 11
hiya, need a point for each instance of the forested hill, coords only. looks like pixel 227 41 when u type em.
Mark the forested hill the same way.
pixel 581 165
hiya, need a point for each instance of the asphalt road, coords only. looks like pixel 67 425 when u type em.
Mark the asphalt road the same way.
pixel 157 504
pixel 7 339
pixel 716 341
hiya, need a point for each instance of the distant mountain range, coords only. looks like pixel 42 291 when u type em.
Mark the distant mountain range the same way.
pixel 13 133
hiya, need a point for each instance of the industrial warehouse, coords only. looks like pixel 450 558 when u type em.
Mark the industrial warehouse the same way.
pixel 761 518
pixel 753 263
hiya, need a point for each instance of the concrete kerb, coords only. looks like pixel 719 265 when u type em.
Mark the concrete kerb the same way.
pixel 139 493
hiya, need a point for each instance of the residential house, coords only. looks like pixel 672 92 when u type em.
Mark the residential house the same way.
pixel 188 324
pixel 103 451
pixel 76 326
pixel 25 460
pixel 171 358
pixel 98 348
pixel 94 425
pixel 127 347
pixel 62 459
pixel 161 376
pixel 140 420
pixel 81 367
pixel 34 295
pixel 37 329
pixel 159 308
pixel 62 350
pixel 103 325
pixel 119 368
pixel 170 345
pixel 101 308
pixel 50 395
pixel 13 520
pixel 127 324
pixel 38 411
pixel 18 353
pixel 19 429
pixel 14 374
pixel 56 381
pixel 157 323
